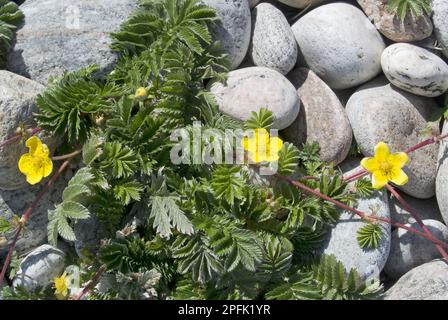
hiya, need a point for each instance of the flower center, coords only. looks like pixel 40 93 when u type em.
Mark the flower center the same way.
pixel 385 167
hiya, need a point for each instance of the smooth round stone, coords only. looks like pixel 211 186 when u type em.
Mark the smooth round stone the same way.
pixel 442 176
pixel 415 70
pixel 253 3
pixel 40 267
pixel 235 30
pixel 321 119
pixel 301 4
pixel 439 19
pixel 380 112
pixel 273 43
pixel 17 106
pixel 342 240
pixel 426 282
pixel 250 89
pixel 408 250
pixel 67 35
pixel 339 43
pixel 391 26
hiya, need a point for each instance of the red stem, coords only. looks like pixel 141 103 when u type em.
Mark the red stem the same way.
pixel 414 214
pixel 91 284
pixel 19 136
pixel 27 215
pixel 357 212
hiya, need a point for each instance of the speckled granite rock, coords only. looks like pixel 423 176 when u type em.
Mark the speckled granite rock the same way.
pixel 321 118
pixel 250 89
pixel 426 282
pixel 339 43
pixel 17 105
pixel 415 70
pixel 61 35
pixel 379 112
pixel 39 267
pixel 273 43
pixel 391 26
pixel 234 32
pixel 426 209
pixel 300 4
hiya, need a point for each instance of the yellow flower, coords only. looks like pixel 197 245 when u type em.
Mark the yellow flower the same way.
pixel 386 167
pixel 36 164
pixel 61 287
pixel 141 93
pixel 261 147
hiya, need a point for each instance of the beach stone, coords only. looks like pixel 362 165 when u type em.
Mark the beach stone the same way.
pixel 380 112
pixel 339 43
pixel 301 4
pixel 425 208
pixel 234 31
pixel 439 19
pixel 408 250
pixel 67 35
pixel 250 89
pixel 273 43
pixel 442 176
pixel 426 282
pixel 17 105
pixel 390 24
pixel 342 240
pixel 40 267
pixel 321 119
pixel 415 70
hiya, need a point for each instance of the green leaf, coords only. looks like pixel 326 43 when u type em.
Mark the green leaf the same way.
pixel 370 236
pixel 5 225
pixel 167 215
pixel 127 191
pixel 228 183
pixel 90 150
pixel 263 119
pixel 289 157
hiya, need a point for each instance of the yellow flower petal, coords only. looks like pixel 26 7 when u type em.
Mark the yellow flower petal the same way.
pixel 370 164
pixel 398 177
pixel 26 163
pixel 47 167
pixel 33 144
pixel 275 144
pixel 256 157
pixel 379 180
pixel 34 177
pixel 382 151
pixel 399 159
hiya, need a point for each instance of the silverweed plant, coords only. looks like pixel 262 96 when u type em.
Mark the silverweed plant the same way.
pixel 191 231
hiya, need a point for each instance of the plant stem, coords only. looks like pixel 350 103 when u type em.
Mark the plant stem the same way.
pixel 27 215
pixel 414 214
pixel 66 156
pixel 362 173
pixel 91 284
pixel 19 136
pixel 361 214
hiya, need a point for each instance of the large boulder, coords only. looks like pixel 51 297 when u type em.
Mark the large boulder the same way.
pixel 379 112
pixel 250 89
pixel 439 19
pixel 339 43
pixel 60 35
pixel 442 176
